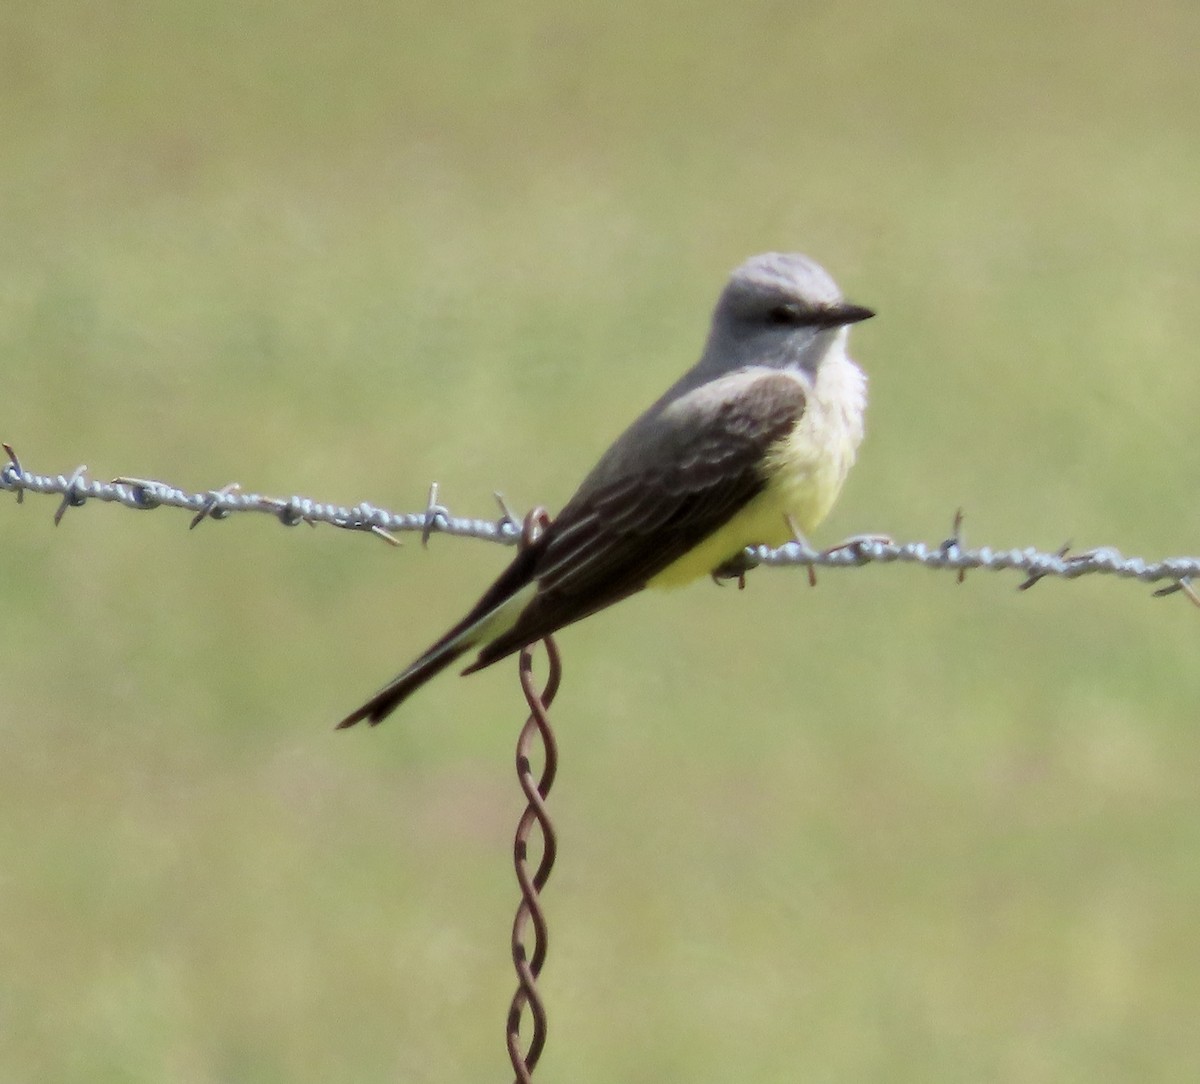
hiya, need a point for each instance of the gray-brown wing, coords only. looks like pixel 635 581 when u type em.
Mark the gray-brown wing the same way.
pixel 669 482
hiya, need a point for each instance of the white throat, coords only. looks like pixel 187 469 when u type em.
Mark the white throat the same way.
pixel 840 391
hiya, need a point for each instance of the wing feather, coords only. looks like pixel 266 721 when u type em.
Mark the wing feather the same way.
pixel 676 476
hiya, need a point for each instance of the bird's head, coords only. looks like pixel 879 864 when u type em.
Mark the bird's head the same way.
pixel 779 310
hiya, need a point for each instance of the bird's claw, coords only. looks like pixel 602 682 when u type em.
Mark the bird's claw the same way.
pixel 734 569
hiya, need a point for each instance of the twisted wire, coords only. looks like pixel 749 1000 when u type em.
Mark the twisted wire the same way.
pixel 528 964
pixel 76 489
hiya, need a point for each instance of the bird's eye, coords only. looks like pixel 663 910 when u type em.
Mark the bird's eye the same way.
pixel 784 314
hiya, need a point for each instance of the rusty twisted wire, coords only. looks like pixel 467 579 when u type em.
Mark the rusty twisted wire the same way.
pixel 528 963
pixel 529 956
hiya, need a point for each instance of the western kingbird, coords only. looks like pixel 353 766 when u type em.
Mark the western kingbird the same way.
pixel 750 444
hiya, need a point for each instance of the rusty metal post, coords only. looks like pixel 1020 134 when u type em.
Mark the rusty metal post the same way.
pixel 530 955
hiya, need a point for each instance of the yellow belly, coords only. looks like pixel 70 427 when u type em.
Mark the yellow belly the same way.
pixel 805 472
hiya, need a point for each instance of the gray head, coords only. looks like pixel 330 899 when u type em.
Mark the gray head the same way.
pixel 778 310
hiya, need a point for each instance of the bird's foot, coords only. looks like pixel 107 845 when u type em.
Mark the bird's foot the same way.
pixel 734 569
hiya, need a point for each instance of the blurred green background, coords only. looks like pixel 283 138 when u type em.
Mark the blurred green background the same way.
pixel 891 829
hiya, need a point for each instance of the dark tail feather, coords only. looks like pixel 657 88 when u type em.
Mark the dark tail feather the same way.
pixel 537 621
pixel 454 644
pixel 497 649
pixel 384 702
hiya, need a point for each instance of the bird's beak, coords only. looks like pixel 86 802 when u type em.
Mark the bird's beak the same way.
pixel 845 313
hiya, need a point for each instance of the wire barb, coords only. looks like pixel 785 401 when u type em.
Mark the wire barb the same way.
pixel 11 474
pixel 954 543
pixel 143 491
pixel 1185 585
pixel 528 957
pixel 1037 577
pixel 432 514
pixel 507 521
pixel 212 508
pixel 74 493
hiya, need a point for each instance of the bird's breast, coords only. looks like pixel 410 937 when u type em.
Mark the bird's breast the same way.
pixel 803 471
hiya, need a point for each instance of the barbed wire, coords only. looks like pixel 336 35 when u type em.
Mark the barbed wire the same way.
pixel 143 494
pixel 77 488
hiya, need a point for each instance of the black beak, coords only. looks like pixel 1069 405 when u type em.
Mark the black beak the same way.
pixel 845 313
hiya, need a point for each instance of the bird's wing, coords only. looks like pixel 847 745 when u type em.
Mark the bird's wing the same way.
pixel 671 481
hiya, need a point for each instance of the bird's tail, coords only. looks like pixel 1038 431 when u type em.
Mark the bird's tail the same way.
pixel 493 615
pixel 432 663
pixel 486 621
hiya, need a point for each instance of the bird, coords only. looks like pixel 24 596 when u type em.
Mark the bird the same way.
pixel 749 447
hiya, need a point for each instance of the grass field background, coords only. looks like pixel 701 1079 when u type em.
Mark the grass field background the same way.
pixel 890 829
